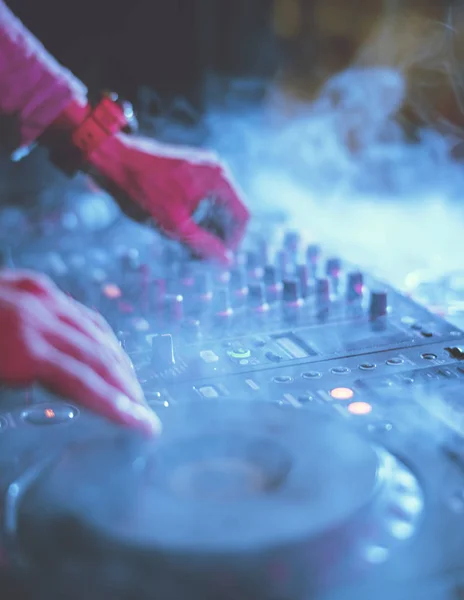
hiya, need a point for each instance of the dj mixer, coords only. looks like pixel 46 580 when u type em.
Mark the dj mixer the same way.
pixel 313 431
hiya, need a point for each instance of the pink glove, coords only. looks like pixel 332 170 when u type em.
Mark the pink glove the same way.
pixel 49 338
pixel 166 183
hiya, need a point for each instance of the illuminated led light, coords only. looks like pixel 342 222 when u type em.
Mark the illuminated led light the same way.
pixel 49 413
pixel 360 408
pixel 342 393
pixel 111 291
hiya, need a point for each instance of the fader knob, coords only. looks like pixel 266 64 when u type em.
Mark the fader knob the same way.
pixel 238 286
pixel 322 291
pixel 333 267
pixel 313 252
pixel 290 292
pixel 378 304
pixel 162 352
pixel 257 297
pixel 272 282
pixel 223 308
pixel 313 255
pixel 354 286
pixel 292 241
pixel 302 274
pixel 130 259
pixel 283 262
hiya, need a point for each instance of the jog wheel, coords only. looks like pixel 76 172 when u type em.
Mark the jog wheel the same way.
pixel 237 500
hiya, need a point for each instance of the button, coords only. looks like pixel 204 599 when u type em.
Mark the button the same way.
pixel 274 357
pixel 340 370
pixel 407 380
pixel 208 391
pixel 209 356
pixel 259 343
pixel 429 375
pixel 446 373
pixel 367 366
pixel 456 352
pixel 428 356
pixel 49 415
pixel 311 375
pixel 359 408
pixel 282 379
pixel 395 361
pixel 305 399
pixel 342 393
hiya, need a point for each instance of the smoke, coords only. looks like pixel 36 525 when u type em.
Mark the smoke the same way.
pixel 347 172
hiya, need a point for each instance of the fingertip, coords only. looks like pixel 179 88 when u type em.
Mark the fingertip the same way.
pixel 138 416
pixel 149 421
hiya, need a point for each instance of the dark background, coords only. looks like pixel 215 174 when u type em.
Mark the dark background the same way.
pixel 170 45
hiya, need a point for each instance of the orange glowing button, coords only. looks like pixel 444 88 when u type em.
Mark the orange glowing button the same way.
pixel 111 291
pixel 360 408
pixel 49 413
pixel 342 393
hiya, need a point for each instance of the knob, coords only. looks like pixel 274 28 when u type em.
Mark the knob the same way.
pixel 162 352
pixel 238 285
pixel 292 302
pixel 203 286
pixel 191 329
pixel 272 282
pixel 174 307
pixel 252 261
pixel 333 267
pixel 283 262
pixel 223 308
pixel 313 255
pixel 378 304
pixel 302 274
pixel 322 291
pixel 130 259
pixel 292 241
pixel 291 292
pixel 257 297
pixel 254 265
pixel 157 293
pixel 354 286
pixel 187 274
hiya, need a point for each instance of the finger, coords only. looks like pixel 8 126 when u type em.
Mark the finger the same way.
pixel 214 181
pixel 100 358
pixel 30 282
pixel 88 321
pixel 72 379
pixel 202 242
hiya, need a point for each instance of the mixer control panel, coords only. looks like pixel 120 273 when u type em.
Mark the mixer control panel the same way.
pixel 292 344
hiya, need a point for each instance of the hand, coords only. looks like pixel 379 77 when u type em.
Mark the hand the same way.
pixel 49 338
pixel 168 184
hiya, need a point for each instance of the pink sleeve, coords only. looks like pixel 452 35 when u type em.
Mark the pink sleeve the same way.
pixel 34 88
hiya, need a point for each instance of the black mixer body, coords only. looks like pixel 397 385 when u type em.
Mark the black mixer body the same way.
pixel 332 402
